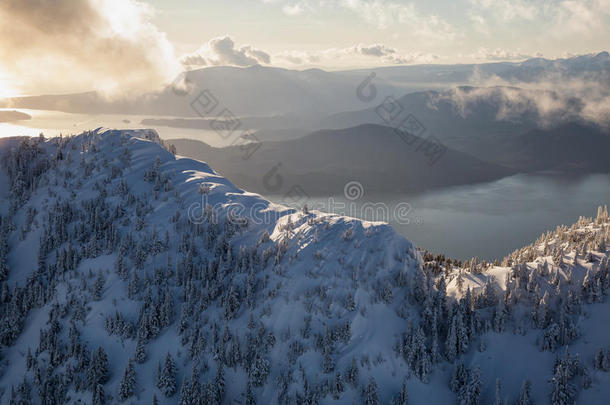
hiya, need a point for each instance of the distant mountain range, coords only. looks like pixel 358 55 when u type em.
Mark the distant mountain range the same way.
pixel 387 160
pixel 269 91
pixel 381 158
pixel 467 112
pixel 491 123
pixel 251 91
pixel 569 148
pixel 528 71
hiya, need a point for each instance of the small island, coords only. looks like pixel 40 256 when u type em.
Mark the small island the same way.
pixel 12 115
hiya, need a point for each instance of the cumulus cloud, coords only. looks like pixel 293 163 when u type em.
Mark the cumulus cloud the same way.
pixel 376 52
pixel 391 55
pixel 69 45
pixel 222 51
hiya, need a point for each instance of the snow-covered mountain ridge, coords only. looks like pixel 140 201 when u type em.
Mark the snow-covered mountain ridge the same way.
pixel 119 285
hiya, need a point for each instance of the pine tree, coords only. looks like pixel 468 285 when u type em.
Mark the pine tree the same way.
pixel 489 294
pixel 98 368
pixel 140 355
pixel 498 400
pixel 350 304
pixel 250 397
pixel 420 286
pixel 337 386
pixel 459 378
pixel 471 392
pixel 98 286
pixel 260 370
pixel 98 395
pixel 588 287
pixel 351 374
pixel 121 269
pixel 457 337
pixel 421 364
pixel 562 392
pixel 451 341
pixel 185 392
pixel 402 398
pixel 128 383
pixel 599 359
pixel 328 365
pixel 586 378
pixel 371 397
pixel 525 393
pixel 167 378
pixel 219 384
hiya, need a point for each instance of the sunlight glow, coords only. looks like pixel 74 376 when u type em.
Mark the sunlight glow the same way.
pixel 6 89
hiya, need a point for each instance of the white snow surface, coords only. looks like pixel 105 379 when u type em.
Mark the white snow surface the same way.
pixel 336 254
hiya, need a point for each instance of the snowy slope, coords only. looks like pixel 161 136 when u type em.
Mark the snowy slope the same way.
pixel 112 242
pixel 557 262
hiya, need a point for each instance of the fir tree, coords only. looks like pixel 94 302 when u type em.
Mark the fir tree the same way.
pixel 498 400
pixel 140 354
pixel 351 374
pixel 98 286
pixel 402 398
pixel 250 397
pixel 562 391
pixel 128 383
pixel 471 392
pixel 371 397
pixel 98 395
pixel 166 381
pixel 525 393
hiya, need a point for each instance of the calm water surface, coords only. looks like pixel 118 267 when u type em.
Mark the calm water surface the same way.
pixel 53 123
pixel 487 220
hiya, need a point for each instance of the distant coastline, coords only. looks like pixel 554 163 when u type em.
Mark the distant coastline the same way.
pixel 12 115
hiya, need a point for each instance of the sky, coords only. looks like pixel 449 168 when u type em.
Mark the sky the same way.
pixel 58 46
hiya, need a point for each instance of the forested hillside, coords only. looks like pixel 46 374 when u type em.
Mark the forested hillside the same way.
pixel 130 275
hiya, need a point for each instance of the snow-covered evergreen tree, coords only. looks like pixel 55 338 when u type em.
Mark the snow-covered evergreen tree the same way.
pixel 166 379
pixel 525 393
pixel 128 382
pixel 371 397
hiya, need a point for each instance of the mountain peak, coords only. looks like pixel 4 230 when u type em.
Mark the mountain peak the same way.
pixel 152 272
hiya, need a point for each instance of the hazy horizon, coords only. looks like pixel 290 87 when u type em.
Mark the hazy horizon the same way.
pixel 124 46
